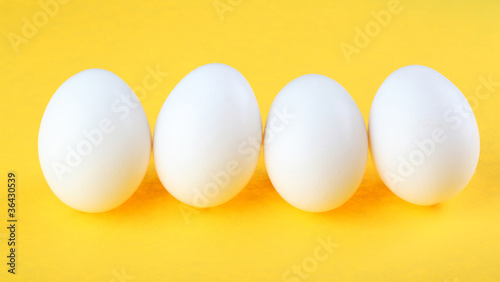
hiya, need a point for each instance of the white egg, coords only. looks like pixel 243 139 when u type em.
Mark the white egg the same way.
pixel 94 142
pixel 315 144
pixel 424 137
pixel 208 136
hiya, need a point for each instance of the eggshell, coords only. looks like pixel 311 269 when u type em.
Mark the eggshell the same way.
pixel 423 136
pixel 315 144
pixel 208 136
pixel 94 142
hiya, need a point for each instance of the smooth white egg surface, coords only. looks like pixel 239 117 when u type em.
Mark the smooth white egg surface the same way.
pixel 208 136
pixel 94 143
pixel 423 134
pixel 315 144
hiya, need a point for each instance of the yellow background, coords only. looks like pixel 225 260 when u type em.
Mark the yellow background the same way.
pixel 257 235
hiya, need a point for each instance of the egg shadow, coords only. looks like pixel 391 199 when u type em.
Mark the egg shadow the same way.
pixel 372 195
pixel 150 196
pixel 259 193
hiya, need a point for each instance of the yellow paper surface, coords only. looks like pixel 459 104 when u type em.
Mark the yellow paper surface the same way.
pixel 375 236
